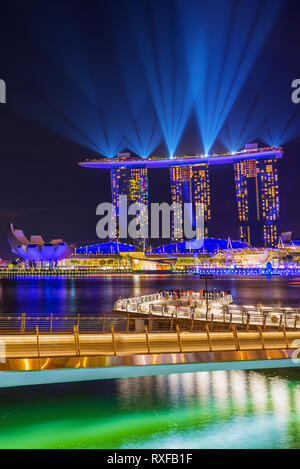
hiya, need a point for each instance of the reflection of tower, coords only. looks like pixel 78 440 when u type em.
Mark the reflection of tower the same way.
pixel 257 192
pixel 130 181
pixel 190 184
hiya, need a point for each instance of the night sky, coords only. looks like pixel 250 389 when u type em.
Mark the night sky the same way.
pixel 49 62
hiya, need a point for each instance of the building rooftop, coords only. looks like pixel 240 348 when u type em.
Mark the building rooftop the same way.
pixel 251 151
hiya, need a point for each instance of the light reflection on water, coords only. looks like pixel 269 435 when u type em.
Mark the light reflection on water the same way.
pixel 220 409
pixel 97 295
pixel 238 409
pixel 223 409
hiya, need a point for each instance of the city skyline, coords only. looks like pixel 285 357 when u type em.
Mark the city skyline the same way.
pixel 149 227
pixel 44 133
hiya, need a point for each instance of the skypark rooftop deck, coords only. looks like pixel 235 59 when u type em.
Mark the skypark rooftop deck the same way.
pixel 158 162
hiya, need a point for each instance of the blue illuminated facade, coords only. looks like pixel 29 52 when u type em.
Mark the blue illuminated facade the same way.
pixel 110 247
pixel 210 245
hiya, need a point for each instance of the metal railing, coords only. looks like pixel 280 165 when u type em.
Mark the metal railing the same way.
pixel 39 345
pixel 54 324
pixel 216 308
pixel 26 324
pixel 143 304
pixel 161 318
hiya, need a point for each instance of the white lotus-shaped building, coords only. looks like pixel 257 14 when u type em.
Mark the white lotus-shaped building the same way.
pixel 36 249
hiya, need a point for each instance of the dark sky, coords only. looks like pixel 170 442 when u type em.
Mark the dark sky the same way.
pixel 44 191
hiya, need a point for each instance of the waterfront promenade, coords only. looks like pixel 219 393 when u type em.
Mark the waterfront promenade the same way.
pixel 217 308
pixel 197 270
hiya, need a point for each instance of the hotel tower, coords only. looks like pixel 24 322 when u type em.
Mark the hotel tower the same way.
pixel 130 181
pixel 257 192
pixel 190 184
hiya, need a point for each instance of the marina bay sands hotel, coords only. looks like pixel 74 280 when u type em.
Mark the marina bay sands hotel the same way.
pixel 256 185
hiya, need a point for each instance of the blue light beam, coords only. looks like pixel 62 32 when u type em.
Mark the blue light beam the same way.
pixel 223 41
pixel 161 50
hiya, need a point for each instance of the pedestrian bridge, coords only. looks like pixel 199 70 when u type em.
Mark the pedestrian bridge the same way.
pixel 215 307
pixel 48 358
pixel 163 333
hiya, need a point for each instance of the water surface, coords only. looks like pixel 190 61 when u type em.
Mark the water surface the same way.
pixel 96 295
pixel 237 409
pixel 220 409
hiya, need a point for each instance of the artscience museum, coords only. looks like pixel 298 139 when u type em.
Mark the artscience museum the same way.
pixel 36 250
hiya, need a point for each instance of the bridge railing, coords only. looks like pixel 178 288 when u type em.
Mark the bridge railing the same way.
pixel 131 304
pixel 138 304
pixel 219 309
pixel 273 318
pixel 276 344
pixel 171 318
pixel 87 324
pixel 221 315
